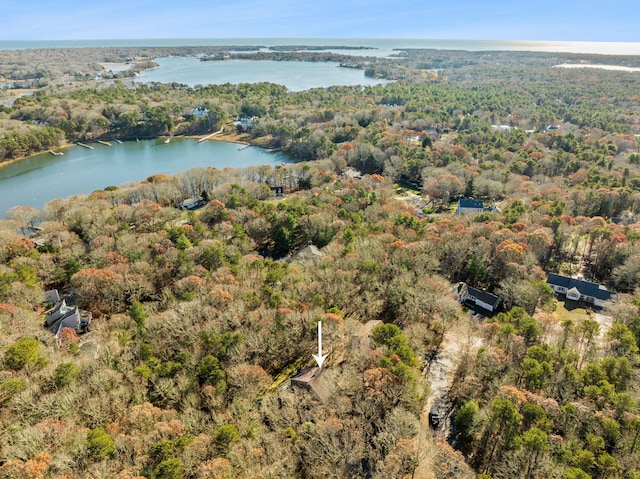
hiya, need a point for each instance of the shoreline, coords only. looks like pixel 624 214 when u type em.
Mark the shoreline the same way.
pixel 595 65
pixel 222 137
pixel 64 146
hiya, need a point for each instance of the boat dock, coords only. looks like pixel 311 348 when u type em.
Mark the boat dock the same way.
pixel 86 146
pixel 205 138
pixel 106 143
pixel 56 153
pixel 117 141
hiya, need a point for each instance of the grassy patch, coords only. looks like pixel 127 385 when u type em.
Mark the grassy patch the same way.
pixel 569 310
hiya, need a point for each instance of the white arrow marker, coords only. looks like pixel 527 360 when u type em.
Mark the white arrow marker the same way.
pixel 320 357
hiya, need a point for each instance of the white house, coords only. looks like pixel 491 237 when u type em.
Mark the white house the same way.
pixel 482 299
pixel 580 290
pixel 199 112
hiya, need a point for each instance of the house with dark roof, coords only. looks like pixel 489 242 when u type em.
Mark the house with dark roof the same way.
pixel 466 205
pixel 625 219
pixel 278 190
pixel 192 203
pixel 580 290
pixel 478 297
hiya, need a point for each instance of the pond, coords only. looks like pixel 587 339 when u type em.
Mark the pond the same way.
pixel 39 179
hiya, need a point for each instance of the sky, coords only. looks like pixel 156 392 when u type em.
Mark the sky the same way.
pixel 541 20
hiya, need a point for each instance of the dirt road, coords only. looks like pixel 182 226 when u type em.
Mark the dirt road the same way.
pixel 439 375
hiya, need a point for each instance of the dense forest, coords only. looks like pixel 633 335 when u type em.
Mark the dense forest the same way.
pixel 202 318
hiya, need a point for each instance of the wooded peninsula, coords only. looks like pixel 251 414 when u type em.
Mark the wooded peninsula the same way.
pixel 466 234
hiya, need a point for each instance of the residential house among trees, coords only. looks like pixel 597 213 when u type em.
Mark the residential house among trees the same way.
pixel 466 205
pixel 307 252
pixel 305 378
pixel 278 190
pixel 63 315
pixel 192 203
pixel 580 290
pixel 199 112
pixel 482 299
pixel 312 380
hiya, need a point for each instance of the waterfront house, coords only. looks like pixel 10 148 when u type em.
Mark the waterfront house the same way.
pixel 625 219
pixel 244 122
pixel 580 290
pixel 200 112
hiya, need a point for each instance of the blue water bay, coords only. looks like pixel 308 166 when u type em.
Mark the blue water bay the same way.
pixel 39 179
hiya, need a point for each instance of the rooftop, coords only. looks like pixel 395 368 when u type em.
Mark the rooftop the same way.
pixel 470 203
pixel 586 288
pixel 307 375
pixel 484 296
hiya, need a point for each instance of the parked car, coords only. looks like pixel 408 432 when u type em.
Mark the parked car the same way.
pixel 434 417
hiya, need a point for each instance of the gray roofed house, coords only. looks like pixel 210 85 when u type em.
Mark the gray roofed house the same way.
pixel 480 298
pixel 192 203
pixel 59 310
pixel 51 296
pixel 625 219
pixel 433 134
pixel 580 290
pixel 64 316
pixel 307 252
pixel 466 205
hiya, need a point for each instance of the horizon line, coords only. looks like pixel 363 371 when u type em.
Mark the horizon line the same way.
pixel 312 38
